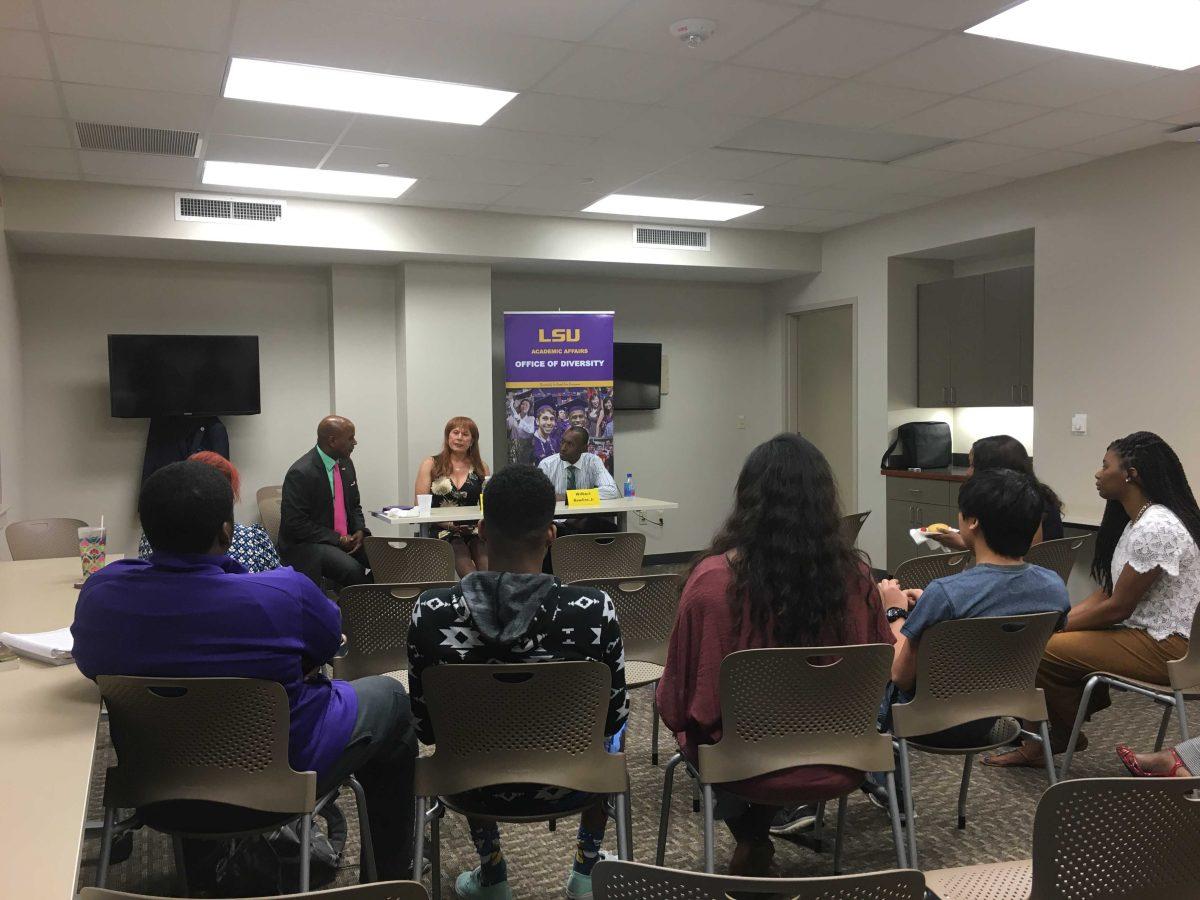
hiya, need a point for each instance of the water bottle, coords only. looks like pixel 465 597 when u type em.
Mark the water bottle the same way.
pixel 629 491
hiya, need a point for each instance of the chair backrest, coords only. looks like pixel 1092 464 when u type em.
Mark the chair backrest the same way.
pixel 1059 555
pixel 270 509
pixel 223 740
pixel 800 706
pixel 920 571
pixel 1117 837
pixel 577 556
pixel 380 890
pixel 852 524
pixel 614 880
pixel 970 669
pixel 375 619
pixel 409 560
pixel 43 538
pixel 540 723
pixel 646 609
pixel 1184 673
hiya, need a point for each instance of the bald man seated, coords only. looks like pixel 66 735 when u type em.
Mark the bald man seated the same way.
pixel 321 528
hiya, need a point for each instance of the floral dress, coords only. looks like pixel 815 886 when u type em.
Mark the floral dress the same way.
pixel 446 494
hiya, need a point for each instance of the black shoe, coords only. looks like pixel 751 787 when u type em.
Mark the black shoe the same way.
pixel 878 795
pixel 794 819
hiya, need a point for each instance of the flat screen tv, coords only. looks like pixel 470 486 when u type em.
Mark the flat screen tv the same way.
pixel 637 376
pixel 151 375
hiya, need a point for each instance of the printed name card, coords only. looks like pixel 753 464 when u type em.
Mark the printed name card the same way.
pixel 584 497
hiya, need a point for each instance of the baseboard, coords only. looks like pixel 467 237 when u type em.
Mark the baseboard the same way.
pixel 668 559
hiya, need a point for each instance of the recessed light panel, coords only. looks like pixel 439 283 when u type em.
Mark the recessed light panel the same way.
pixel 670 208
pixel 346 90
pixel 1153 32
pixel 305 181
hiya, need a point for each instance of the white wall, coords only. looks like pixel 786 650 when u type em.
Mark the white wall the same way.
pixel 691 449
pixel 12 474
pixel 81 462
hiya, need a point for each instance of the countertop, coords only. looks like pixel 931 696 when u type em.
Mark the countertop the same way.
pixel 954 473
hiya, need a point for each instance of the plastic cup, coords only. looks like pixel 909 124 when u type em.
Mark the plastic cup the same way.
pixel 92 547
pixel 425 502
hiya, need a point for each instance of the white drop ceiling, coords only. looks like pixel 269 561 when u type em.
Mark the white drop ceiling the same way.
pixel 610 102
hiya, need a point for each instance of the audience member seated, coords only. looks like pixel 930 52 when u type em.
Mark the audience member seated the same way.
pixel 192 612
pixel 1148 569
pixel 778 574
pixel 251 546
pixel 516 614
pixel 455 478
pixel 1003 452
pixel 321 528
pixel 1180 762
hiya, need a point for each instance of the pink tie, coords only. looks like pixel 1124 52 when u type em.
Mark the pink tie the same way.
pixel 339 503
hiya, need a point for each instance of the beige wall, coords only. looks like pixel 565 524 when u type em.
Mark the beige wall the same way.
pixel 824 407
pixel 11 396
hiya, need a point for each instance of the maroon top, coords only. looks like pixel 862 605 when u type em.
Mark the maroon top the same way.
pixel 688 692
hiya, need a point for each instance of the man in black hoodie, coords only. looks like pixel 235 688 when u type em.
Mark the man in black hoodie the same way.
pixel 514 613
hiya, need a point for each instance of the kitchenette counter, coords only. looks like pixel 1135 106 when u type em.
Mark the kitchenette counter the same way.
pixel 954 473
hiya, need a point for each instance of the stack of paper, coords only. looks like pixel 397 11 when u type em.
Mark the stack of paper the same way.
pixel 48 646
pixel 399 512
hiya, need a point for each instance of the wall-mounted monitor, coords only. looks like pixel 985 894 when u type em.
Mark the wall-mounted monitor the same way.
pixel 637 376
pixel 152 375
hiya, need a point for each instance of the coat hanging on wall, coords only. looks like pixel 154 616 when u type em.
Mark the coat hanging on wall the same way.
pixel 175 438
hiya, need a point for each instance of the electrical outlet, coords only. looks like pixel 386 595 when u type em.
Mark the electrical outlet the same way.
pixel 741 422
pixel 1079 423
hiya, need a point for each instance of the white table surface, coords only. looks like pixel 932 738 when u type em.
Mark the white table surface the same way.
pixel 473 513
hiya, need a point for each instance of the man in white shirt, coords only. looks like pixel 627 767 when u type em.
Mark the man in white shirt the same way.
pixel 574 469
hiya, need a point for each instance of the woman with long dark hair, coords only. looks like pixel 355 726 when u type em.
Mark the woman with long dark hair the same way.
pixel 1148 568
pixel 779 573
pixel 455 478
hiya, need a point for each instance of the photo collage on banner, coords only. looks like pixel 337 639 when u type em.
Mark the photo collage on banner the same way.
pixel 558 373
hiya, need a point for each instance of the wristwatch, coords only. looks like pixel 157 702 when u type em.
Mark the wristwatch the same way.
pixel 896 612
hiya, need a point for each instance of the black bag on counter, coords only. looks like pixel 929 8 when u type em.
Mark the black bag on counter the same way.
pixel 923 445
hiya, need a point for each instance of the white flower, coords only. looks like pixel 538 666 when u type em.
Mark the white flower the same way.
pixel 442 486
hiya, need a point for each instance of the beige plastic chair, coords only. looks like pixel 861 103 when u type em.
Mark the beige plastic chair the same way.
pixel 852 524
pixel 921 571
pixel 382 890
pixel 646 608
pixel 43 538
pixel 574 557
pixel 969 669
pixel 375 619
pixel 637 881
pixel 1095 839
pixel 1059 555
pixel 1184 676
pixel 270 509
pixel 410 560
pixel 215 748
pixel 540 723
pixel 788 707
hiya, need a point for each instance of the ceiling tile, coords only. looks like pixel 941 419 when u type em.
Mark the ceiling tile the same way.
pixel 139 165
pixel 90 61
pixel 551 199
pixel 270 120
pixel 966 183
pixel 455 192
pixel 855 104
pixel 1069 79
pixel 556 114
pixel 151 109
pixel 1187 117
pixel 35 131
pixel 815 172
pixel 892 178
pixel 723 164
pixel 806 139
pixel 18 14
pixel 37 160
pixel 1145 134
pixel 949 15
pixel 828 220
pixel 1158 99
pixel 752 192
pixel 682 128
pixel 439 166
pixel 966 156
pixel 238 148
pixel 964 117
pixel 822 44
pixel 1040 164
pixel 523 146
pixel 28 97
pixel 1059 128
pixel 23 54
pixel 538 18
pixel 405 163
pixel 770 217
pixel 855 199
pixel 607 73
pixel 645 25
pixel 169 23
pixel 746 91
pixel 958 63
pixel 410 135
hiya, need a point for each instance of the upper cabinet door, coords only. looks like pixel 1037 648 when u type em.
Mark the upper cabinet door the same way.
pixel 1008 317
pixel 935 308
pixel 969 380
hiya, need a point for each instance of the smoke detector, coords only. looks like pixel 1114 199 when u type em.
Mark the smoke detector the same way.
pixel 693 32
pixel 1185 134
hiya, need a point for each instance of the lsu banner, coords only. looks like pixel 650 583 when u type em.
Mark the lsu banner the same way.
pixel 558 372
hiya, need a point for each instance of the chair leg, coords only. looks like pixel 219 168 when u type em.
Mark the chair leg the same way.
pixel 1183 722
pixel 1047 753
pixel 420 804
pixel 653 725
pixel 1078 726
pixel 695 795
pixel 435 852
pixel 305 851
pixel 366 855
pixel 1162 728
pixel 894 815
pixel 181 879
pixel 664 815
pixel 818 831
pixel 968 762
pixel 710 836
pixel 106 839
pixel 619 801
pixel 910 820
pixel 629 821
pixel 837 835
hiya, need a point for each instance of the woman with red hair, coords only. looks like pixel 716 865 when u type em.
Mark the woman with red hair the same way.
pixel 455 478
pixel 251 546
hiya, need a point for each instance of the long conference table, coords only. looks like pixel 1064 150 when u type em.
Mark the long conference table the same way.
pixel 621 507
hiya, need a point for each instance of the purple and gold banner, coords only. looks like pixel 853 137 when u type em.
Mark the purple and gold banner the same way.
pixel 558 372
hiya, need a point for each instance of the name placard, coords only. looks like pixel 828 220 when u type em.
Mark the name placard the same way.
pixel 584 497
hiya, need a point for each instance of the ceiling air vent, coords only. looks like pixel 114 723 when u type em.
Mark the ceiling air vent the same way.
pixel 669 236
pixel 215 208
pixel 130 139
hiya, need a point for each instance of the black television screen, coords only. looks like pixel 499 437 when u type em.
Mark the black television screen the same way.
pixel 182 375
pixel 637 375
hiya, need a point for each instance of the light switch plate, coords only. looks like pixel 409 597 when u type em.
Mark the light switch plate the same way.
pixel 1079 423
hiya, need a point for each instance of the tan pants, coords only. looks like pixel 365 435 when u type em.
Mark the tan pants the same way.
pixel 1071 656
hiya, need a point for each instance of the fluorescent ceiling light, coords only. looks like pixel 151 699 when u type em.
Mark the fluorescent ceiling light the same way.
pixel 1154 32
pixel 372 93
pixel 670 208
pixel 307 181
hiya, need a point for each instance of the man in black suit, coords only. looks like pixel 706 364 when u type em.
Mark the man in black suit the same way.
pixel 319 537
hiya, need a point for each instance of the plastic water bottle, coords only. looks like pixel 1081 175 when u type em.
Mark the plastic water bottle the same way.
pixel 629 491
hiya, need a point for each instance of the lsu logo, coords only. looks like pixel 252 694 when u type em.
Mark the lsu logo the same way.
pixel 559 336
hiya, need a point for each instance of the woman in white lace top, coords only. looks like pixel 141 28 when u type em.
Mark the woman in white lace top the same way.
pixel 1148 567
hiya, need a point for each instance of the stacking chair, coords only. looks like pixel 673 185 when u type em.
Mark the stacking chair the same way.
pixel 794 706
pixel 375 619
pixel 852 524
pixel 1058 556
pixel 646 609
pixel 410 560
pixel 574 557
pixel 208 758
pixel 540 723
pixel 921 571
pixel 1096 839
pixel 43 538
pixel 970 669
pixel 382 890
pixel 1184 676
pixel 270 510
pixel 637 881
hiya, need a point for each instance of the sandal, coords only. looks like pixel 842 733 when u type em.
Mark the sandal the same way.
pixel 1129 758
pixel 1028 755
